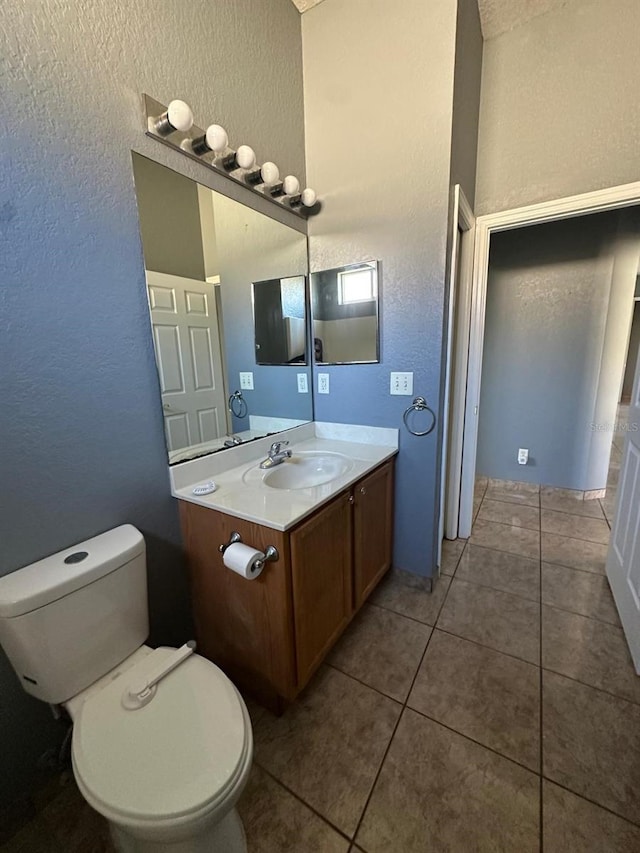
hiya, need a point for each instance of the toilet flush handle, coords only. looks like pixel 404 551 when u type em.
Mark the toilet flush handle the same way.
pixel 140 693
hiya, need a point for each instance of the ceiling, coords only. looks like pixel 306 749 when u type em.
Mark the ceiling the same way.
pixel 496 16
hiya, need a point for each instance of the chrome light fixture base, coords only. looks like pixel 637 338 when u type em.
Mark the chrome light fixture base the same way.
pixel 184 143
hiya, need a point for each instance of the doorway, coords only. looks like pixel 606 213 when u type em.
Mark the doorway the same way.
pixel 623 560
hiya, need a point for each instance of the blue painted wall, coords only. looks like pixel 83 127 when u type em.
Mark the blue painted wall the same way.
pixel 81 441
pixel 255 248
pixel 378 131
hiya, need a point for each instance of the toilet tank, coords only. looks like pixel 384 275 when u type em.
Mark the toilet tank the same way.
pixel 68 619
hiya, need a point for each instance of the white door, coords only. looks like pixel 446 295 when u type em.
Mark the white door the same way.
pixel 623 561
pixel 187 345
pixel 460 285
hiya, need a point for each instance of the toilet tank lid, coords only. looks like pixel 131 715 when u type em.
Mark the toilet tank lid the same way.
pixel 60 574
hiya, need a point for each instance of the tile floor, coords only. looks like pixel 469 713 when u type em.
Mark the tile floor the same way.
pixel 500 713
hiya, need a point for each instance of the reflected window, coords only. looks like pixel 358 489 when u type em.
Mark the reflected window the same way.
pixel 356 286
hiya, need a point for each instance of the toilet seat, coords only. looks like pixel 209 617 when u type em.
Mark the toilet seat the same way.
pixel 173 760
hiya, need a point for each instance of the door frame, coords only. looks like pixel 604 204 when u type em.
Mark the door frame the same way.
pixel 458 324
pixel 610 198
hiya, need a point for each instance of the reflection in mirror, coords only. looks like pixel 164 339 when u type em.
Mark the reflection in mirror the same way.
pixel 344 307
pixel 203 252
pixel 280 321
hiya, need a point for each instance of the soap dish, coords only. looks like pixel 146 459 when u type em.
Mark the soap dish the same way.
pixel 204 488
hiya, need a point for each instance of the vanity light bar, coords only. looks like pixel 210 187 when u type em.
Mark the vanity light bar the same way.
pixel 173 126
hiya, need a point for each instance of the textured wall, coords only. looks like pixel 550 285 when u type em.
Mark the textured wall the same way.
pixel 466 98
pixel 632 357
pixel 378 131
pixel 557 319
pixel 81 429
pixel 559 109
pixel 255 248
pixel 169 220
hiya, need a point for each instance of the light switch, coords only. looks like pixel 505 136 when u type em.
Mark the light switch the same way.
pixel 246 381
pixel 401 383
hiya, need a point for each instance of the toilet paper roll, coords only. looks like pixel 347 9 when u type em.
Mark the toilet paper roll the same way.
pixel 242 559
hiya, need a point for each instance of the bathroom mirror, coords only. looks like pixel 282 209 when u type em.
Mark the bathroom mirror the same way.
pixel 205 258
pixel 280 319
pixel 344 307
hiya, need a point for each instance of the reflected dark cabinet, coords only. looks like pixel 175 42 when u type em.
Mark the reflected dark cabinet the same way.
pixel 280 321
pixel 272 633
pixel 271 340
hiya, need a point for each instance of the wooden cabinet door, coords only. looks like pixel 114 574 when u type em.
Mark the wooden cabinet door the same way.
pixel 321 565
pixel 244 626
pixel 372 530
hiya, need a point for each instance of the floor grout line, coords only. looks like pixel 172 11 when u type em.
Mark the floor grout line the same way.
pixel 592 686
pixel 404 706
pixel 311 808
pixel 592 802
pixel 491 749
pixel 400 613
pixel 484 646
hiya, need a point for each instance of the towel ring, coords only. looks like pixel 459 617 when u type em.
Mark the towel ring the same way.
pixel 419 405
pixel 238 405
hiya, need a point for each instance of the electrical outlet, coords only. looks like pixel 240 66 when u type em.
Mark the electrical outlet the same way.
pixel 323 383
pixel 303 387
pixel 246 381
pixel 523 456
pixel 401 383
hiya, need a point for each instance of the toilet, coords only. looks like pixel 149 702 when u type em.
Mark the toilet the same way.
pixel 162 743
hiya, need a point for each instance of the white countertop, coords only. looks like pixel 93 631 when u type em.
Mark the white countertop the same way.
pixel 242 492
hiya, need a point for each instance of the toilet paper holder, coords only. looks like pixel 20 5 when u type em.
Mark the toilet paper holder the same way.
pixel 271 555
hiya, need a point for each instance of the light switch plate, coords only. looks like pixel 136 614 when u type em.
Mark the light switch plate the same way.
pixel 323 383
pixel 246 381
pixel 303 385
pixel 401 383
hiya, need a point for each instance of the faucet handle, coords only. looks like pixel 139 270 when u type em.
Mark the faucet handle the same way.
pixel 275 447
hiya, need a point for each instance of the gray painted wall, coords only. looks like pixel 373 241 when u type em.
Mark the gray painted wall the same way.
pixel 466 98
pixel 378 131
pixel 169 220
pixel 632 357
pixel 559 112
pixel 558 308
pixel 255 248
pixel 81 433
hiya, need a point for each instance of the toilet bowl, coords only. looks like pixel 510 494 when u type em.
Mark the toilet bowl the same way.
pixel 165 770
pixel 170 772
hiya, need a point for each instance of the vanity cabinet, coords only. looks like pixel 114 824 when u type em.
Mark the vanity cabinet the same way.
pixel 321 571
pixel 270 634
pixel 372 530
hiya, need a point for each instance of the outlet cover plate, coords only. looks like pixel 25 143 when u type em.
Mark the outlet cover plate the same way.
pixel 323 383
pixel 401 383
pixel 246 381
pixel 303 385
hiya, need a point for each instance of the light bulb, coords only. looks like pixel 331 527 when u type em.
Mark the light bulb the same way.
pixel 216 138
pixel 180 116
pixel 270 173
pixel 291 185
pixel 245 157
pixel 309 197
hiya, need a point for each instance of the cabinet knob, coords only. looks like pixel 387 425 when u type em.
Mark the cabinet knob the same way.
pixel 351 499
pixel 363 491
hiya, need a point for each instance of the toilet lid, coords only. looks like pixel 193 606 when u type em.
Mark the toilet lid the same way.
pixel 171 757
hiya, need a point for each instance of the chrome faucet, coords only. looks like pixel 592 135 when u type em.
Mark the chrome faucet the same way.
pixel 276 455
pixel 232 441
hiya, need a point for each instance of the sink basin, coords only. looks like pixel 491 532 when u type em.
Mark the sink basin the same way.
pixel 306 469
